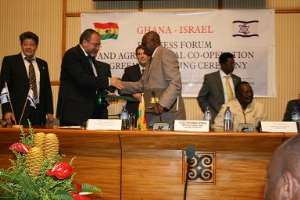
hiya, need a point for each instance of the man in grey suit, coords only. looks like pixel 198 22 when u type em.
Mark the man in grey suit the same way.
pixel 161 83
pixel 214 92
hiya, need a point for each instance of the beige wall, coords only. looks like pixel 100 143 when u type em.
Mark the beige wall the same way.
pixel 45 18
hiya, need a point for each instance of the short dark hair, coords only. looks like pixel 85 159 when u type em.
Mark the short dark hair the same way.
pixel 224 56
pixel 153 37
pixel 239 85
pixel 138 48
pixel 29 35
pixel 86 34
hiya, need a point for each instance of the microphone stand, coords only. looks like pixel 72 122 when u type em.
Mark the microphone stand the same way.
pixel 190 153
pixel 186 181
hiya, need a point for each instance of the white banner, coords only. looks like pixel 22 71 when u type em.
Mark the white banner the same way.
pixel 198 39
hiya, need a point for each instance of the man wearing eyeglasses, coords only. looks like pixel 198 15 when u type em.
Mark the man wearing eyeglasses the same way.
pixel 82 80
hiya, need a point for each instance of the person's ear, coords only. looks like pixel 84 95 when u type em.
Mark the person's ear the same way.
pixel 289 185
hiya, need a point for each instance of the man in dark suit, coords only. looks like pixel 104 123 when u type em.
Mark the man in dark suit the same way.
pixel 25 74
pixel 291 107
pixel 218 87
pixel 83 82
pixel 134 73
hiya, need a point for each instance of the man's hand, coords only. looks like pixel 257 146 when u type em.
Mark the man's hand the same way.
pixel 137 96
pixel 116 82
pixel 158 109
pixel 9 117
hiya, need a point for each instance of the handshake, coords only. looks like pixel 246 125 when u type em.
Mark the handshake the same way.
pixel 116 82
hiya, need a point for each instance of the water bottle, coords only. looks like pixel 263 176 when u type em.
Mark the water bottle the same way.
pixel 228 120
pixel 125 119
pixel 207 116
pixel 295 117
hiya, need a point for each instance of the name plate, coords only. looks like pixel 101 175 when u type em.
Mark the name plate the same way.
pixel 104 124
pixel 287 127
pixel 191 125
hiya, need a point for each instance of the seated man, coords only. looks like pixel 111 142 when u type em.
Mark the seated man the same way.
pixel 293 106
pixel 283 177
pixel 244 109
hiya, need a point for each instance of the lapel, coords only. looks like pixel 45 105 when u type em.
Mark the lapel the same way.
pixel 153 62
pixel 40 66
pixel 99 68
pixel 137 71
pixel 234 79
pixel 22 67
pixel 85 60
pixel 219 85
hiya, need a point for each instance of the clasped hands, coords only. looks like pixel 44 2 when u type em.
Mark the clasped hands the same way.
pixel 116 82
pixel 158 109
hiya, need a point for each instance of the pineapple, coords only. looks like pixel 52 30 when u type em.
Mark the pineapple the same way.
pixel 51 146
pixel 34 161
pixel 39 140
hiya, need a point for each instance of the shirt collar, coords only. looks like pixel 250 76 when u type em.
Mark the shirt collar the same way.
pixel 141 67
pixel 24 56
pixel 85 53
pixel 223 73
pixel 154 52
pixel 249 108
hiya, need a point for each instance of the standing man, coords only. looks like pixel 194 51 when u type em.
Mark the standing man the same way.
pixel 134 73
pixel 83 80
pixel 218 87
pixel 28 83
pixel 161 83
pixel 283 179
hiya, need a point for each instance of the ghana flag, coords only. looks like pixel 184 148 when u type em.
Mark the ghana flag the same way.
pixel 141 121
pixel 107 30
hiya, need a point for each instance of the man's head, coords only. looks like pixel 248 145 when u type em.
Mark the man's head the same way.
pixel 244 93
pixel 29 43
pixel 226 61
pixel 90 40
pixel 150 41
pixel 283 176
pixel 142 58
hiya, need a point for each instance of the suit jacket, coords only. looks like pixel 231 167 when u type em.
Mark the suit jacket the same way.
pixel 291 106
pixel 79 88
pixel 163 78
pixel 132 73
pixel 212 94
pixel 14 73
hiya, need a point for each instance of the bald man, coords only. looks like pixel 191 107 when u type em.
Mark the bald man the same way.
pixel 162 80
pixel 283 178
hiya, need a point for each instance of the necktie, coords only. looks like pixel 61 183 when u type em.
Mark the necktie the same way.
pixel 91 60
pixel 228 88
pixel 143 70
pixel 32 78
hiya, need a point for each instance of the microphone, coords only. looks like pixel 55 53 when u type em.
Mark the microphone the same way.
pixel 190 153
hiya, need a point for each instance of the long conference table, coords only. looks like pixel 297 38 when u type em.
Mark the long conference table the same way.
pixel 129 165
